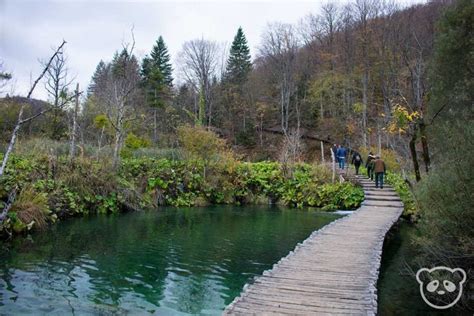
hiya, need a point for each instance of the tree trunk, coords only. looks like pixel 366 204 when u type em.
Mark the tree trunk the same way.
pixel 155 127
pixel 379 143
pixel 424 143
pixel 12 141
pixel 11 199
pixel 333 158
pixel 118 145
pixel 72 149
pixel 100 141
pixel 365 83
pixel 321 108
pixel 322 153
pixel 414 157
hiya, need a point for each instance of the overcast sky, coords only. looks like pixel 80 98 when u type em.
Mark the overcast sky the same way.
pixel 94 30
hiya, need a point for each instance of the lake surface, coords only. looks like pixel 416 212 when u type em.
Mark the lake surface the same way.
pixel 166 262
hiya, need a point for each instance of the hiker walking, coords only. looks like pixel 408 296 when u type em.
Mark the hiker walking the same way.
pixel 379 169
pixel 369 164
pixel 357 161
pixel 334 151
pixel 341 155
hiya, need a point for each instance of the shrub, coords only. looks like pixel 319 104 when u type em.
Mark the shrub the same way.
pixel 133 142
pixel 306 189
pixel 200 143
pixel 401 187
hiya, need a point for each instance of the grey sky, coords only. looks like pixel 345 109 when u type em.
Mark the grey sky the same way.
pixel 94 30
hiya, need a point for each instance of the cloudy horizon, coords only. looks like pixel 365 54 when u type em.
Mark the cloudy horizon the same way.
pixel 94 30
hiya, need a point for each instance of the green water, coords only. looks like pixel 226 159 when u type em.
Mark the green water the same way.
pixel 398 290
pixel 167 262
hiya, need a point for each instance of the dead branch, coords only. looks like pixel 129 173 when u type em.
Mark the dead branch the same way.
pixel 20 120
pixel 11 199
pixel 48 64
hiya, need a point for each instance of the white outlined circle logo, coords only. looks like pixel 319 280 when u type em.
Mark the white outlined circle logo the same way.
pixel 441 287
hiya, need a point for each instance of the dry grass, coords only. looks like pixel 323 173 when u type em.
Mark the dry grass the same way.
pixel 32 208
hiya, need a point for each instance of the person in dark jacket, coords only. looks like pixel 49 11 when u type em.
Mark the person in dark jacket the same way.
pixel 357 161
pixel 334 151
pixel 379 170
pixel 341 155
pixel 369 165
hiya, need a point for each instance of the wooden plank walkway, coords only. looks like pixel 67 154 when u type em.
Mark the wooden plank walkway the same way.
pixel 334 271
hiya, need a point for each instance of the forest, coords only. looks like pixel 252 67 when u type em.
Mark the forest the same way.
pixel 234 126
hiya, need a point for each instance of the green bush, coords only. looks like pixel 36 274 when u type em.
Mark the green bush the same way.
pixel 401 187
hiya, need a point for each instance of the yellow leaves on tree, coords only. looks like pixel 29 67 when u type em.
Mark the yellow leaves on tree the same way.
pixel 401 119
pixel 101 121
pixel 351 128
pixel 200 143
pixel 205 146
pixel 357 107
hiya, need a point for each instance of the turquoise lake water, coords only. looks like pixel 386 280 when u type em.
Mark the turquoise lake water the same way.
pixel 166 262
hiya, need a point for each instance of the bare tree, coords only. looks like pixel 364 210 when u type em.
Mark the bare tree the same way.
pixel 21 120
pixel 347 56
pixel 365 10
pixel 57 84
pixel 279 47
pixel 199 61
pixel 329 20
pixel 72 149
pixel 116 93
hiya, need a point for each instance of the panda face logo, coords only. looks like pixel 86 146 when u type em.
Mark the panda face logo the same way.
pixel 441 287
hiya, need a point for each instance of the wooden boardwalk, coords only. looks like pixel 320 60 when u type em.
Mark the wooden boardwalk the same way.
pixel 334 271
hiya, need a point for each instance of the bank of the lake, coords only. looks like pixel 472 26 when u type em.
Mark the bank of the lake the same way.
pixel 186 260
pixel 52 188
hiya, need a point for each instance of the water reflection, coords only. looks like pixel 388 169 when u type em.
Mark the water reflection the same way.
pixel 188 261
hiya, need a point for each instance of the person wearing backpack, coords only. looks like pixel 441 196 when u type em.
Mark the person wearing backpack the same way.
pixel 379 169
pixel 357 161
pixel 369 164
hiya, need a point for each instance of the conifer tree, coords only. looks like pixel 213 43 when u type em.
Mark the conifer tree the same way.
pixel 237 70
pixel 97 77
pixel 238 64
pixel 159 60
pixel 157 74
pixel 157 79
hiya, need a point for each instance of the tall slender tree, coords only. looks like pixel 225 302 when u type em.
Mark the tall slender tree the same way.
pixel 238 68
pixel 239 63
pixel 115 94
pixel 157 79
pixel 280 48
pixel 199 60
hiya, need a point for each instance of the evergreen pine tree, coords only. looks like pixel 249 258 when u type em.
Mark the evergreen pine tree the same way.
pixel 97 78
pixel 159 60
pixel 157 74
pixel 237 70
pixel 238 64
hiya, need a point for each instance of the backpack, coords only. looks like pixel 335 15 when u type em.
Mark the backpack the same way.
pixel 357 158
